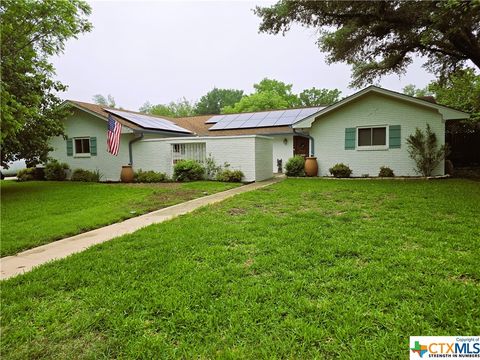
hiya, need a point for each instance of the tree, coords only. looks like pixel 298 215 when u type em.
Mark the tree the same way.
pixel 279 88
pixel 216 99
pixel 108 101
pixel 269 94
pixel 424 150
pixel 32 32
pixel 267 100
pixel 412 90
pixel 460 90
pixel 179 108
pixel 319 97
pixel 381 37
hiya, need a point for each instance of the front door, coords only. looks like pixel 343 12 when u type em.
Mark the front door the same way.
pixel 301 146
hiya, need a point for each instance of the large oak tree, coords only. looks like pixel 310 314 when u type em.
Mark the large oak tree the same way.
pixel 33 31
pixel 216 99
pixel 381 37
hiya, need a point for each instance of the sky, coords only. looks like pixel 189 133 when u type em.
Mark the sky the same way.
pixel 160 51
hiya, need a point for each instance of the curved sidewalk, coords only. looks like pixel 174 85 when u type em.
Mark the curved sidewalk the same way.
pixel 25 261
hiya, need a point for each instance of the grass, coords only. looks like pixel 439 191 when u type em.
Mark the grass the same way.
pixel 35 213
pixel 321 269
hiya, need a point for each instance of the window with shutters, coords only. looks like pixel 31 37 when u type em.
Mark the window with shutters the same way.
pixel 82 146
pixel 189 151
pixel 372 138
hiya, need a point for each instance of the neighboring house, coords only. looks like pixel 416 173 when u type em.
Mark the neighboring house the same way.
pixel 365 131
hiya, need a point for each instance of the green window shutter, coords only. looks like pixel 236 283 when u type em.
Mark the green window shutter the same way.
pixel 69 147
pixel 350 138
pixel 395 137
pixel 93 146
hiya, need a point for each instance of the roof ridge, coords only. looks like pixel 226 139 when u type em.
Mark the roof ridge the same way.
pixel 125 110
pixel 191 116
pixel 254 112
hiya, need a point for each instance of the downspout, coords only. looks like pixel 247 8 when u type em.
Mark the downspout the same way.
pixel 312 141
pixel 130 154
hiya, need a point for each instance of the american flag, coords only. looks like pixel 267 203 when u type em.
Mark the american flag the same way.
pixel 113 135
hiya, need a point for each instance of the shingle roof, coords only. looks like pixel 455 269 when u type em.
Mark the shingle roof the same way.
pixel 196 124
pixel 98 110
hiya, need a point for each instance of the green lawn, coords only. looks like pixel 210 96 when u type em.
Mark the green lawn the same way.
pixel 35 213
pixel 302 269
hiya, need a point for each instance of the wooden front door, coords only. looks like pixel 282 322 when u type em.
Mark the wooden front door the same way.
pixel 301 146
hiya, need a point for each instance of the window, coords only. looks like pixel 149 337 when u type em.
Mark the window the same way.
pixel 82 146
pixel 372 137
pixel 189 151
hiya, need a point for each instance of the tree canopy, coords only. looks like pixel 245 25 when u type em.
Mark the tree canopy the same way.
pixel 216 99
pixel 179 108
pixel 381 37
pixel 273 94
pixel 461 90
pixel 319 97
pixel 259 101
pixel 279 88
pixel 108 101
pixel 268 94
pixel 413 90
pixel 32 31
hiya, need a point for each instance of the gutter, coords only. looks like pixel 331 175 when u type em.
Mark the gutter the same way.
pixel 130 154
pixel 312 140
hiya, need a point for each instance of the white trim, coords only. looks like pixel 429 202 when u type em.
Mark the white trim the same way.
pixel 446 112
pixel 205 138
pixel 372 147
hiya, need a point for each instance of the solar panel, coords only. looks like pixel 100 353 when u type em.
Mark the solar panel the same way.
pixel 215 119
pixel 268 121
pixel 244 117
pixel 149 122
pixel 259 115
pixel 261 119
pixel 275 114
pixel 285 120
pixel 292 112
pixel 235 125
pixel 310 111
pixel 251 123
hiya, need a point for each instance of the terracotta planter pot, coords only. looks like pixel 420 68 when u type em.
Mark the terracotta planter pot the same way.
pixel 311 166
pixel 127 174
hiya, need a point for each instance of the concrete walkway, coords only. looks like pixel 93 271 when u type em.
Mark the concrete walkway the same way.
pixel 27 260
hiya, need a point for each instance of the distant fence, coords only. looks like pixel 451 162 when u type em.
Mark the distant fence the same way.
pixel 464 142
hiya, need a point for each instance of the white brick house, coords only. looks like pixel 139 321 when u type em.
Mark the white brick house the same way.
pixel 365 131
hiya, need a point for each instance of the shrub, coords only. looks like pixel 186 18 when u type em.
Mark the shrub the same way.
pixel 385 171
pixel 227 175
pixel 340 171
pixel 39 173
pixel 86 175
pixel 27 174
pixel 150 176
pixel 424 150
pixel 295 166
pixel 211 168
pixel 188 170
pixel 56 171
